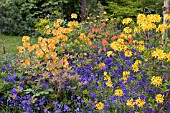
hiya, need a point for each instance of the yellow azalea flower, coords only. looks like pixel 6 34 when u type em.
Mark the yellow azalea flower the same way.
pixel 130 103
pixel 73 15
pixel 137 62
pixel 109 83
pixel 119 92
pixel 110 53
pixel 21 49
pixel 59 20
pixel 48 31
pixel 141 48
pixel 99 106
pixel 161 28
pixel 128 53
pixel 140 102
pixel 40 39
pixel 127 20
pixel 135 68
pixel 168 57
pixel 126 73
pixel 156 80
pixel 53 55
pixel 167 17
pixel 102 65
pixel 86 92
pixel 47 27
pixel 159 53
pixel 127 30
pixel 25 38
pixel 105 73
pixel 159 98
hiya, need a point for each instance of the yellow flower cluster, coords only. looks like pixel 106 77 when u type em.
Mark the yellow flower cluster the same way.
pixel 159 54
pixel 135 65
pixel 127 30
pixel 99 106
pixel 159 98
pixel 167 17
pixel 118 45
pixel 119 92
pixel 127 21
pixel 125 76
pixel 108 79
pixel 73 15
pixel 139 102
pixel 156 80
pixel 161 28
pixel 147 23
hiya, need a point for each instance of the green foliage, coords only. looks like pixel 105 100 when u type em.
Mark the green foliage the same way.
pixel 130 8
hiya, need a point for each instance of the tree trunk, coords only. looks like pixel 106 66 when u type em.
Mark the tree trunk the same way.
pixel 83 10
pixel 165 11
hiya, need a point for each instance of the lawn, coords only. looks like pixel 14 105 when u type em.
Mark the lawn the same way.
pixel 8 44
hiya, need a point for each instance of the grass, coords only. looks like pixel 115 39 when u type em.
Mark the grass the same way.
pixel 9 44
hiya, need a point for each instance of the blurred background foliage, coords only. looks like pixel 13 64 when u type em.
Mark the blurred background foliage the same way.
pixel 18 17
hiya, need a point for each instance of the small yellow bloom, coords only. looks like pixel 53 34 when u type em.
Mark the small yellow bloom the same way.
pixel 99 106
pixel 25 38
pixel 73 15
pixel 159 98
pixel 127 21
pixel 119 92
pixel 128 53
pixel 110 53
pixel 140 102
pixel 127 30
pixel 156 80
pixel 109 83
pixel 135 68
pixel 130 103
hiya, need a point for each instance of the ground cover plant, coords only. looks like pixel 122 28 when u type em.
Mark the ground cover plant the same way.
pixel 90 67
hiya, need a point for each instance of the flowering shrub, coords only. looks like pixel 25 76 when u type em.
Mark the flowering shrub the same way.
pixel 88 67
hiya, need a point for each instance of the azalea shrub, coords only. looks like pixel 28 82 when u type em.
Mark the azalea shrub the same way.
pixel 91 67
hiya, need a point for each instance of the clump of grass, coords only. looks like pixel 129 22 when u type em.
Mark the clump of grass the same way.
pixel 9 44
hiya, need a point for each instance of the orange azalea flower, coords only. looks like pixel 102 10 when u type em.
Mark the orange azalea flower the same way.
pixel 51 46
pixel 25 38
pixel 39 39
pixel 55 32
pixel 67 30
pixel 27 61
pixel 48 31
pixel 56 24
pixel 30 48
pixel 64 37
pixel 56 40
pixel 47 56
pixel 53 55
pixel 35 46
pixel 82 36
pixel 26 44
pixel 89 43
pixel 59 20
pixel 65 63
pixel 60 29
pixel 104 42
pixel 39 53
